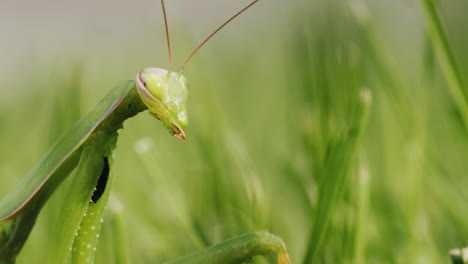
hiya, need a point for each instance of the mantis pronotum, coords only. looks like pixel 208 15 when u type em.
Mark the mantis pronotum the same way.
pixel 88 146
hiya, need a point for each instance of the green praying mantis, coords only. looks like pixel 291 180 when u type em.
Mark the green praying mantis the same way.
pixel 86 148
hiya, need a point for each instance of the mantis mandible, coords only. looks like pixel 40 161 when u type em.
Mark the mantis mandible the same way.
pixel 87 148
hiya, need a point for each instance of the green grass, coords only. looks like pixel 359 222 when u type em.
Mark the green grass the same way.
pixel 272 141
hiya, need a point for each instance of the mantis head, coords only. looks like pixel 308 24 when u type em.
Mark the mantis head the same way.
pixel 165 94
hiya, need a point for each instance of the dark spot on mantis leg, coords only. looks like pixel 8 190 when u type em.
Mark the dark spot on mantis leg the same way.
pixel 102 181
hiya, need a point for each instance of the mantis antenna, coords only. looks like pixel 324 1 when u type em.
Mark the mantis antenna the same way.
pixel 167 35
pixel 214 33
pixel 165 92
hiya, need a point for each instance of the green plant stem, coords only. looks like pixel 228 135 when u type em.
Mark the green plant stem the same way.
pixel 446 58
pixel 116 233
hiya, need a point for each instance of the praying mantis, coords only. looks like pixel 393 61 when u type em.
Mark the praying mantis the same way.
pixel 86 148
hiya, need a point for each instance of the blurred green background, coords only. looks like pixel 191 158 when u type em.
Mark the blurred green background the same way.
pixel 270 108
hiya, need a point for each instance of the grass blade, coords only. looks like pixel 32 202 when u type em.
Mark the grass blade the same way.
pixel 446 58
pixel 334 175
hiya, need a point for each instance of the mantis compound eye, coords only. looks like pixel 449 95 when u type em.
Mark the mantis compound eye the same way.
pixel 165 94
